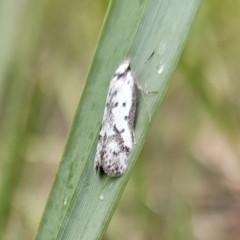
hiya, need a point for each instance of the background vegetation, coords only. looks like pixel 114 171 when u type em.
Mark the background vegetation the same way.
pixel 185 184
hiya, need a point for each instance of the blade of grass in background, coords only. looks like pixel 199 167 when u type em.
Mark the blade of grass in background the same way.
pixel 82 203
pixel 18 95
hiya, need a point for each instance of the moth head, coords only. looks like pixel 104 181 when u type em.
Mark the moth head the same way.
pixel 123 68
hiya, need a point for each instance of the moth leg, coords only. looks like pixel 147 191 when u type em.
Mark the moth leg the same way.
pixel 97 166
pixel 138 84
pixel 134 137
pixel 141 88
pixel 98 156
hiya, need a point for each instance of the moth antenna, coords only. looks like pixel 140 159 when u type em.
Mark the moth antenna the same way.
pixel 145 62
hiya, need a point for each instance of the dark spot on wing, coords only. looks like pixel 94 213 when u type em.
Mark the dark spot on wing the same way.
pixel 127 149
pixel 115 129
pixel 125 118
pixel 124 104
pixel 122 75
pixel 116 104
pixel 104 137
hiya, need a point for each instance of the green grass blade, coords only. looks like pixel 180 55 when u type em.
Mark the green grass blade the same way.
pixel 82 203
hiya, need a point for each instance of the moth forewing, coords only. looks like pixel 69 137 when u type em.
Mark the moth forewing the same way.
pixel 117 132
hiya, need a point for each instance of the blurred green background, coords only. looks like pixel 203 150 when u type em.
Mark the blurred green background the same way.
pixel 186 183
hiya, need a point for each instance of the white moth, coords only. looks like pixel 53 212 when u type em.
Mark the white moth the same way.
pixel 117 136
